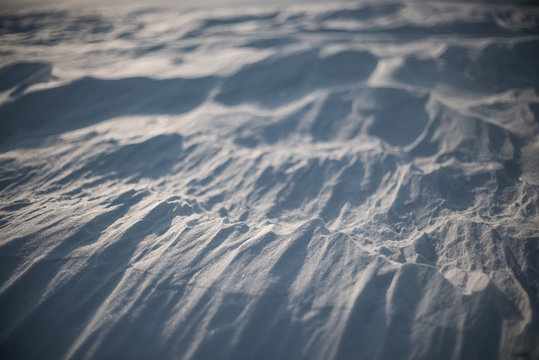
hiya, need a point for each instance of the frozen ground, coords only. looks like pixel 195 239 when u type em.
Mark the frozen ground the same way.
pixel 317 181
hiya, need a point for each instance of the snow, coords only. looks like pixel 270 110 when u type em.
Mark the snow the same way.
pixel 283 181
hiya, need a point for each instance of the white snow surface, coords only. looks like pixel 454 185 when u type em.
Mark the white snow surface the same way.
pixel 347 180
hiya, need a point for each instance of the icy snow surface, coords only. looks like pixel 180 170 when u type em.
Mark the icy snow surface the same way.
pixel 280 181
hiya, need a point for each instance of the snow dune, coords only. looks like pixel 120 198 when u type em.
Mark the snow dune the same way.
pixel 317 181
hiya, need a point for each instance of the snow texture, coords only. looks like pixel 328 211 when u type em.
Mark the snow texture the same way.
pixel 348 180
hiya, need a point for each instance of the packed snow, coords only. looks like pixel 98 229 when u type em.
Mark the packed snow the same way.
pixel 308 180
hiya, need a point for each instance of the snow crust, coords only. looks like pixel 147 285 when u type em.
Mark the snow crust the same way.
pixel 290 181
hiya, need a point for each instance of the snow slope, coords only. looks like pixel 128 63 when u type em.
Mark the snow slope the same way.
pixel 308 180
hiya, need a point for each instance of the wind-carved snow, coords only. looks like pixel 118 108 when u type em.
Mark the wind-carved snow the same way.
pixel 283 182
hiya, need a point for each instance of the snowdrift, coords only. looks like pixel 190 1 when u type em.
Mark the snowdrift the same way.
pixel 308 181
